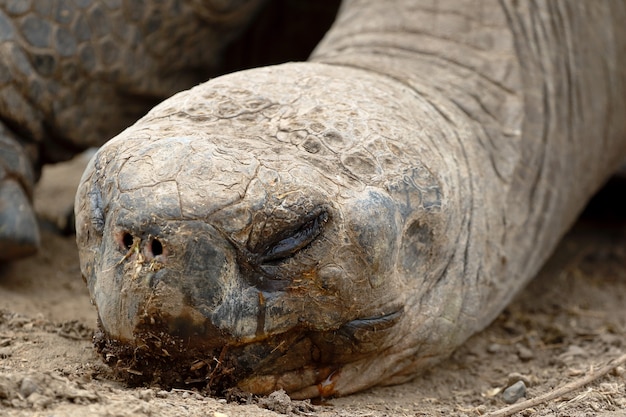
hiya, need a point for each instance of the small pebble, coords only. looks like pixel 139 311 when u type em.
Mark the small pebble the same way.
pixel 514 392
pixel 28 386
pixel 37 400
pixel 524 353
pixel 572 352
pixel 146 394
pixel 218 414
pixel 494 348
pixel 514 377
pixel 17 403
pixel 279 402
pixel 162 394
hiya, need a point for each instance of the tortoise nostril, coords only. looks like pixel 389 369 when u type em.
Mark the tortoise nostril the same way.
pixel 156 247
pixel 127 240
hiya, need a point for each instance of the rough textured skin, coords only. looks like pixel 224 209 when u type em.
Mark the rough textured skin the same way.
pixel 328 226
pixel 75 73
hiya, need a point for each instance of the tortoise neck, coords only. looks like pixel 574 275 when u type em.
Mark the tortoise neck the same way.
pixel 525 86
pixel 463 52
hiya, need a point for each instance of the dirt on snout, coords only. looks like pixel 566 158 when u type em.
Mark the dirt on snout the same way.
pixel 561 344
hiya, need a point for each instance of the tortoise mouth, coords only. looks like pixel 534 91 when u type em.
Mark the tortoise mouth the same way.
pixel 158 357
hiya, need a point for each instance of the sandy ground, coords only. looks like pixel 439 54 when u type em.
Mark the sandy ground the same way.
pixel 568 324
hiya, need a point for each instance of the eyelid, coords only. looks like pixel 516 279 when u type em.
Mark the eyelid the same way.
pixel 298 238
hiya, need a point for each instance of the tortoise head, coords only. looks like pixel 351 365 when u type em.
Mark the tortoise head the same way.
pixel 221 251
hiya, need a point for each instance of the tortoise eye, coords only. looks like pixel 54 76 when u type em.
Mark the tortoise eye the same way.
pixel 289 242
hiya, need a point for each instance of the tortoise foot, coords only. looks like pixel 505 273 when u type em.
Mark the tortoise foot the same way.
pixel 19 230
pixel 19 233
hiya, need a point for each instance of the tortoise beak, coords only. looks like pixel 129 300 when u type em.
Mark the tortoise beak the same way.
pixel 172 278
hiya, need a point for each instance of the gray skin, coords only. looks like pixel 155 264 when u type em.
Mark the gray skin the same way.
pixel 75 73
pixel 328 226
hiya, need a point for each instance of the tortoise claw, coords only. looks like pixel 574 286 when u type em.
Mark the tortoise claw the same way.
pixel 19 232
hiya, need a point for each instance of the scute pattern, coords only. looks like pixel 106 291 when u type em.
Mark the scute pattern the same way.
pixel 88 69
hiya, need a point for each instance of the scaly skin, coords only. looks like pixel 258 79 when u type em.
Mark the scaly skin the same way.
pixel 328 226
pixel 75 73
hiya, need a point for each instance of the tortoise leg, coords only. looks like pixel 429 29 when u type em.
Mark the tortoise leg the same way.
pixel 19 232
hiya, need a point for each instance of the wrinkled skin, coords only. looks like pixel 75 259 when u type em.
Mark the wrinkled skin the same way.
pixel 328 226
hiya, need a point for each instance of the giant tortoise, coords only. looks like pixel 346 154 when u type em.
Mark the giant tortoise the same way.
pixel 326 226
